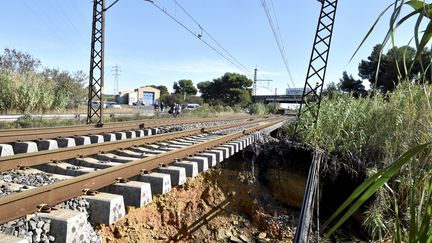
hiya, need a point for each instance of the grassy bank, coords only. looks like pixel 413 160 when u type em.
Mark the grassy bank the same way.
pixel 368 134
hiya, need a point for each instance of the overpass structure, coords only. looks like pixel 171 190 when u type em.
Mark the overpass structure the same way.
pixel 266 99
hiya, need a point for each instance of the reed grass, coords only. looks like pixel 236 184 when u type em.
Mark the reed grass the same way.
pixel 374 133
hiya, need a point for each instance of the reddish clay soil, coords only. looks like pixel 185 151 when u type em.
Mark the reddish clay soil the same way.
pixel 221 205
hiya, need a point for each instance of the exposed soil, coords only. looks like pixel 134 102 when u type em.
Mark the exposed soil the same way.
pixel 222 205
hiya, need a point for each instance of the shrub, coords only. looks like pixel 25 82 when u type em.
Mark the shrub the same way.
pixel 368 134
pixel 258 109
pixel 227 109
pixel 7 93
pixel 237 108
pixel 218 108
pixel 273 108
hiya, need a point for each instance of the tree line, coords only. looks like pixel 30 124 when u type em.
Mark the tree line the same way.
pixel 228 90
pixel 26 87
pixel 384 71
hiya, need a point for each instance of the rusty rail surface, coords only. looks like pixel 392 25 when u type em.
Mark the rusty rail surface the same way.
pixel 30 134
pixel 23 203
pixel 41 157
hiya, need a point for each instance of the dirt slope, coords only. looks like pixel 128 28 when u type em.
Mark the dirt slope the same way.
pixel 222 205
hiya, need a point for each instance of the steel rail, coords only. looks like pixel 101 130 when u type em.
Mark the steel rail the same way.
pixel 23 203
pixel 41 157
pixel 31 134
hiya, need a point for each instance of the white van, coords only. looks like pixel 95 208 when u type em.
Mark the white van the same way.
pixel 96 104
pixel 192 106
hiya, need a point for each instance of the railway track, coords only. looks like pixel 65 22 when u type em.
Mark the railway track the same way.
pixel 82 169
pixel 32 134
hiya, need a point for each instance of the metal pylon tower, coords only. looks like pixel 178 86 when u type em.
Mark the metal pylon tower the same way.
pixel 96 82
pixel 311 98
pixel 255 81
pixel 116 72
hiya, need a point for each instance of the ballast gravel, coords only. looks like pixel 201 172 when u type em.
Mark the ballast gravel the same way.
pixel 35 229
pixel 34 180
pixel 182 127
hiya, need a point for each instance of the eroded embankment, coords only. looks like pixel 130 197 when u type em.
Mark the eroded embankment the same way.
pixel 226 204
pixel 254 196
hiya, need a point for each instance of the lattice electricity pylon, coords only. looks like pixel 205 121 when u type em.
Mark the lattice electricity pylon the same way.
pixel 96 79
pixel 311 98
pixel 255 81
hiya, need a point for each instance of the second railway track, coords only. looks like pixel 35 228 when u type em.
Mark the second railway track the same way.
pixel 31 134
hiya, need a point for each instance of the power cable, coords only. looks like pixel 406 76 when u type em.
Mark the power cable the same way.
pixel 276 34
pixel 209 35
pixel 49 23
pixel 239 66
pixel 66 18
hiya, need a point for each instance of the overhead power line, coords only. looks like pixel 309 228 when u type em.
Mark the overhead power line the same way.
pixel 209 35
pixel 277 36
pixel 229 57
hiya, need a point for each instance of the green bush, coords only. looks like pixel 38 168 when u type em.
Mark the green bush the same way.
pixel 30 93
pixel 369 130
pixel 218 108
pixel 237 108
pixel 227 109
pixel 204 111
pixel 7 94
pixel 273 108
pixel 258 109
pixel 368 134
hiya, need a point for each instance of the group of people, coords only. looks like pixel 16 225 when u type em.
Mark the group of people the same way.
pixel 175 109
pixel 159 107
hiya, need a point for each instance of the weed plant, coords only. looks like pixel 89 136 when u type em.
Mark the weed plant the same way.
pixel 373 131
pixel 369 134
pixel 402 183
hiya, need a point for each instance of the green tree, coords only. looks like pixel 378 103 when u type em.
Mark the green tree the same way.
pixel 348 84
pixel 394 66
pixel 331 90
pixel 193 99
pixel 185 86
pixel 15 61
pixel 68 88
pixel 7 93
pixel 230 89
pixel 163 92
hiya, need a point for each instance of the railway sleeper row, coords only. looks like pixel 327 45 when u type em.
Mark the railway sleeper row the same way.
pixel 19 147
pixel 109 204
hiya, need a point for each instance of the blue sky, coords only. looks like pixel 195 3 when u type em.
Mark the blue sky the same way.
pixel 152 49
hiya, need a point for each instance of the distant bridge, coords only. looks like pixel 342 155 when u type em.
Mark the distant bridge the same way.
pixel 293 99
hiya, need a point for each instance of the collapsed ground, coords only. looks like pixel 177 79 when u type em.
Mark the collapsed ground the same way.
pixel 254 196
pixel 226 204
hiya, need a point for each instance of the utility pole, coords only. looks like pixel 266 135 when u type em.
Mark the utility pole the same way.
pixel 96 77
pixel 96 82
pixel 116 72
pixel 254 87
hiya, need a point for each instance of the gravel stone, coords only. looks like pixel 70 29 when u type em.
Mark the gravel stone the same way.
pixel 27 228
pixel 27 180
pixel 182 127
pixel 38 231
pixel 46 227
pixel 40 224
